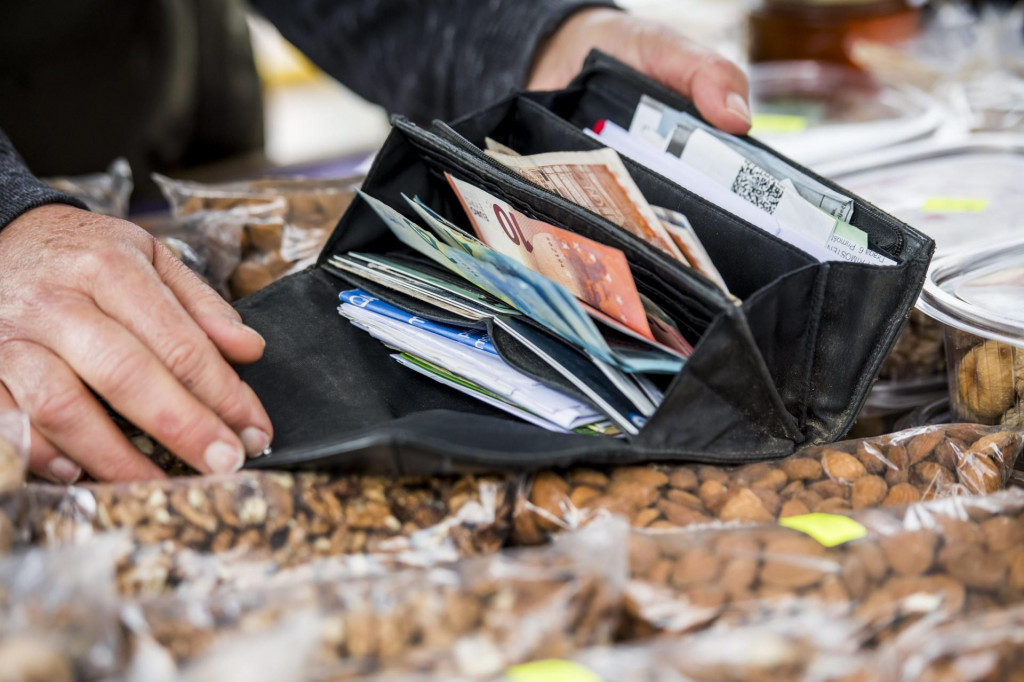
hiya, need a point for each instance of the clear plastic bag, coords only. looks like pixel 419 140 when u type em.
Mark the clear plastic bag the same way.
pixel 928 562
pixel 107 193
pixel 472 618
pixel 898 469
pixel 283 518
pixel 312 208
pixel 988 647
pixel 59 614
pixel 211 242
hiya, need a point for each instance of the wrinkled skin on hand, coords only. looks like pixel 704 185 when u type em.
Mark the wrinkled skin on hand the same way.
pixel 716 85
pixel 95 305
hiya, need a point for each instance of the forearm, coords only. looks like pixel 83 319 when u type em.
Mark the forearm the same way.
pixel 424 59
pixel 20 191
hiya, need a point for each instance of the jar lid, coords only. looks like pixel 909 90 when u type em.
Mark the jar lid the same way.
pixel 980 292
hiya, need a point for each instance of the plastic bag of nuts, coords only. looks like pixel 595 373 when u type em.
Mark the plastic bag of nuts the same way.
pixel 59 614
pixel 905 467
pixel 289 518
pixel 312 209
pixel 987 647
pixel 471 618
pixel 937 559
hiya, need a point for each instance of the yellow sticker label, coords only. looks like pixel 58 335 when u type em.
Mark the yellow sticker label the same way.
pixel 828 529
pixel 550 670
pixel 954 205
pixel 777 123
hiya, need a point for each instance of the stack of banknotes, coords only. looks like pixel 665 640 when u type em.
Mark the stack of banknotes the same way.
pixel 569 301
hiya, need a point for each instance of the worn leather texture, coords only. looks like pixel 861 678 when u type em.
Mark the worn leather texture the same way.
pixel 790 366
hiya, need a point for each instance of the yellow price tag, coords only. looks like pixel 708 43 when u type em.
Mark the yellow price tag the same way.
pixel 777 123
pixel 954 205
pixel 551 670
pixel 828 529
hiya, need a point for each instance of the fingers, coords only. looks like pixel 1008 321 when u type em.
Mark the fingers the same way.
pixel 143 305
pixel 66 418
pixel 138 385
pixel 239 344
pixel 717 86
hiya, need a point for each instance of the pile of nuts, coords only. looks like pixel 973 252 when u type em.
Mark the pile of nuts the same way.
pixel 955 556
pixel 922 464
pixel 287 518
pixel 473 618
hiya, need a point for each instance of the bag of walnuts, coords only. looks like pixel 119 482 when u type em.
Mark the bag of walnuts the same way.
pixel 894 470
pixel 882 568
pixel 286 518
pixel 472 618
pixel 59 614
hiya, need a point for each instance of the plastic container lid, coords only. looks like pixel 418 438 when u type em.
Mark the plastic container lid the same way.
pixel 980 292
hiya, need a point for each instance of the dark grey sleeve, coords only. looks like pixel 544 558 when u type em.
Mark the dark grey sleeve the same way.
pixel 423 58
pixel 21 191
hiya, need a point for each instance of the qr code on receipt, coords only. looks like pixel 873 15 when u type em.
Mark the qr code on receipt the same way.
pixel 758 187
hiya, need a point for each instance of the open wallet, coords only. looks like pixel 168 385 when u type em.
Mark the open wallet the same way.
pixel 789 366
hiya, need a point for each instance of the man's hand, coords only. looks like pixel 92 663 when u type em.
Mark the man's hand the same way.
pixel 88 301
pixel 716 85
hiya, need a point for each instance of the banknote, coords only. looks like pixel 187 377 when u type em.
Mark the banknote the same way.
pixel 689 243
pixel 596 274
pixel 598 181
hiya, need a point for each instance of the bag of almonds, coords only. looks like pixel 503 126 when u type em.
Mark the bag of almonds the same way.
pixel 881 568
pixel 471 618
pixel 287 518
pixel 988 647
pixel 898 469
pixel 59 614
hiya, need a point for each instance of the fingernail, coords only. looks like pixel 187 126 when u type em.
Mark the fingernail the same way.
pixel 737 105
pixel 255 440
pixel 242 325
pixel 64 470
pixel 224 458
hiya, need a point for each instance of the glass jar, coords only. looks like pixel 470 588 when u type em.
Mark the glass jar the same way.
pixel 824 30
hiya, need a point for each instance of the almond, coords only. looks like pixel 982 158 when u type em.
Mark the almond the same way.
pixel 842 467
pixel 801 468
pixel 871 457
pixel 979 474
pixel 910 553
pixel 683 478
pixel 712 494
pixel 747 507
pixel 644 475
pixel 645 517
pixel 581 495
pixel 901 494
pixel 924 443
pixel 793 508
pixel 636 493
pixel 868 491
pixel 550 495
pixel 679 515
pixel 775 479
pixel 1003 533
pixel 588 477
pixel 794 561
pixel 696 566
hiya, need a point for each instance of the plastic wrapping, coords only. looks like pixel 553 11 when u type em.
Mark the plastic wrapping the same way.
pixel 988 647
pixel 898 469
pixel 925 563
pixel 312 208
pixel 283 518
pixel 107 193
pixel 472 618
pixel 59 614
pixel 210 242
pixel 977 298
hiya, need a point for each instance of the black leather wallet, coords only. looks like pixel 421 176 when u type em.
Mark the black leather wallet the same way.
pixel 791 366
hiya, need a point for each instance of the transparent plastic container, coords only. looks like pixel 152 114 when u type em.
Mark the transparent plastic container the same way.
pixel 978 297
pixel 963 194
